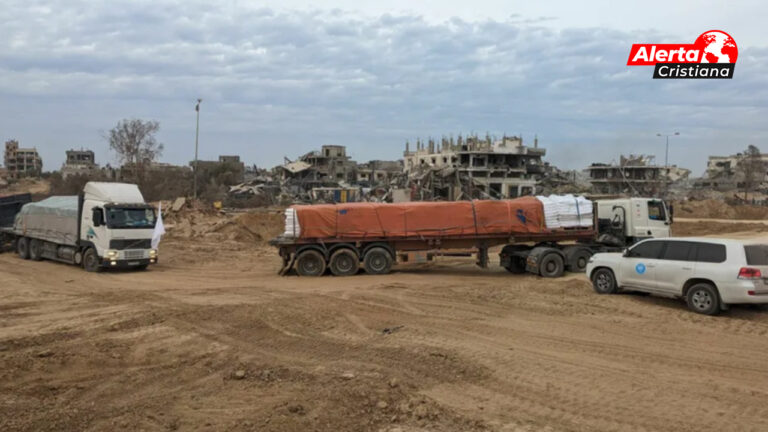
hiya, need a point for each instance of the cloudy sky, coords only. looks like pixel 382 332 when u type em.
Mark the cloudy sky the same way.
pixel 280 78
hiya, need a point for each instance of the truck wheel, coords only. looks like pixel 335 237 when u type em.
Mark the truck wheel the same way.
pixel 310 263
pixel 702 298
pixel 551 265
pixel 344 262
pixel 22 247
pixel 91 261
pixel 578 259
pixel 377 261
pixel 35 250
pixel 603 281
pixel 516 265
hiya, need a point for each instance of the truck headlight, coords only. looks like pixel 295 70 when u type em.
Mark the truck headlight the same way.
pixel 153 253
pixel 112 253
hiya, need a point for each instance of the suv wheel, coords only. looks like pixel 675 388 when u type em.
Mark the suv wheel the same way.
pixel 604 282
pixel 703 298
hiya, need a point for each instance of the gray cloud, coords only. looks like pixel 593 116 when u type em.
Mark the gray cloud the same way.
pixel 280 83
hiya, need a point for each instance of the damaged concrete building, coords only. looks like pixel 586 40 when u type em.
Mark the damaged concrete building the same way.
pixel 21 162
pixel 79 162
pixel 323 172
pixel 378 173
pixel 724 174
pixel 634 175
pixel 473 168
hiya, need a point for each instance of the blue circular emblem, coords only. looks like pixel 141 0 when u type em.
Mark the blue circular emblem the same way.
pixel 640 268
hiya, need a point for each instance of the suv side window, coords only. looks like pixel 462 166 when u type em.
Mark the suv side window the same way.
pixel 710 252
pixel 679 251
pixel 648 249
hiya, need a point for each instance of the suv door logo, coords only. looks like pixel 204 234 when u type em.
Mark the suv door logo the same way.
pixel 640 268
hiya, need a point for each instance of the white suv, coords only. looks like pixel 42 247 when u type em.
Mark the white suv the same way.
pixel 708 273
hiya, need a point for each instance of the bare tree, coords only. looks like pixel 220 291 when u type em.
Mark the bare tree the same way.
pixel 752 169
pixel 134 142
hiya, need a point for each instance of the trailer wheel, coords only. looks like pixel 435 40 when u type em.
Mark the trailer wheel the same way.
pixel 91 261
pixel 344 262
pixel 22 247
pixel 551 265
pixel 513 263
pixel 516 265
pixel 310 263
pixel 377 261
pixel 35 250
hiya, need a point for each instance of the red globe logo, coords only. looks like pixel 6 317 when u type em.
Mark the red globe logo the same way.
pixel 717 47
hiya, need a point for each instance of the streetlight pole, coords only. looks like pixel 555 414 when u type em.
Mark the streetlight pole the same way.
pixel 197 135
pixel 666 160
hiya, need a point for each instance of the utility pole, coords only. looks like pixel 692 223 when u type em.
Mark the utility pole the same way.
pixel 666 161
pixel 197 135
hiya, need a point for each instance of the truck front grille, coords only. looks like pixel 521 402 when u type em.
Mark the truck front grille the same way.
pixel 130 243
pixel 134 254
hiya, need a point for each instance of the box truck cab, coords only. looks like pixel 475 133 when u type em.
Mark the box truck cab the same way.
pixel 107 225
pixel 117 225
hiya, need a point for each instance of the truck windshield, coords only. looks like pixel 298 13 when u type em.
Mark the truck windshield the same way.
pixel 130 218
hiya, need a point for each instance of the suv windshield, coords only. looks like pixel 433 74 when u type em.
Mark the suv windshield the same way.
pixel 130 217
pixel 757 254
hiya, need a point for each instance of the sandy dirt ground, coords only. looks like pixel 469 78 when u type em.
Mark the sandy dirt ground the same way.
pixel 212 339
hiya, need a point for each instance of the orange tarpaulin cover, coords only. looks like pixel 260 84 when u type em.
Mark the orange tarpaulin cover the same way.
pixel 421 219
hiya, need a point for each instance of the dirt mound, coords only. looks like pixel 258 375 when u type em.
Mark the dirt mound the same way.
pixel 709 228
pixel 713 209
pixel 251 227
pixel 39 188
pixel 717 209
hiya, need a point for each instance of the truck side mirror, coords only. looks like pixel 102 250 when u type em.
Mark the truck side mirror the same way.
pixel 97 216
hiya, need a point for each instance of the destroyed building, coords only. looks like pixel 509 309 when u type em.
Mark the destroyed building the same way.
pixel 330 175
pixel 322 168
pixel 21 162
pixel 328 167
pixel 225 164
pixel 79 162
pixel 377 173
pixel 724 174
pixel 634 175
pixel 473 168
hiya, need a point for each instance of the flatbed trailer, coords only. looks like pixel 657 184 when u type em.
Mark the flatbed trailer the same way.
pixel 339 239
pixel 565 249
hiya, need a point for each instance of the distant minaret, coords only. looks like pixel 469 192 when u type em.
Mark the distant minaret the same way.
pixel 536 141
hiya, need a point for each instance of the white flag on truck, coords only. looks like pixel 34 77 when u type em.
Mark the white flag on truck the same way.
pixel 159 227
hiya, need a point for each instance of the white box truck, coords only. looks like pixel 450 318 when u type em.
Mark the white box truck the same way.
pixel 109 225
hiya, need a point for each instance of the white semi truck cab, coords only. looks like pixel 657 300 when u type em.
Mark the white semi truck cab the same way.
pixel 109 225
pixel 117 224
pixel 629 220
